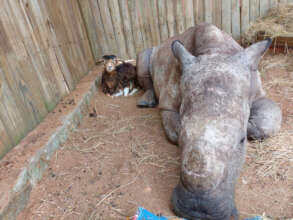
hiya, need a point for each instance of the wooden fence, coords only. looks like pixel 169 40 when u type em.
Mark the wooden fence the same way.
pixel 44 51
pixel 125 27
pixel 46 46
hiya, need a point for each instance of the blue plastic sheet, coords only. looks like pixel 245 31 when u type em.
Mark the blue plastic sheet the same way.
pixel 143 214
pixel 254 218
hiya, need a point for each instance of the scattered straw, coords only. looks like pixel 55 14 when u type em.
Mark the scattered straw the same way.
pixel 277 22
pixel 273 156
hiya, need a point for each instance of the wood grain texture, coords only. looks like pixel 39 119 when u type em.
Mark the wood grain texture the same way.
pixel 253 10
pixel 162 13
pixel 127 28
pixel 189 13
pixel 137 33
pixel 171 17
pixel 227 16
pixel 244 16
pixel 117 26
pixel 179 16
pixel 263 7
pixel 198 8
pixel 208 11
pixel 44 52
pixel 154 22
pixel 217 13
pixel 236 19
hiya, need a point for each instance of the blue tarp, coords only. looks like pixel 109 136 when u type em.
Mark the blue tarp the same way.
pixel 143 214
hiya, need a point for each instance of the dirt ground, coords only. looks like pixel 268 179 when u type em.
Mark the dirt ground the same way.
pixel 120 159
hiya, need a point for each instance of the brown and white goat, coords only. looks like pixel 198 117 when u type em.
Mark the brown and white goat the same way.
pixel 119 77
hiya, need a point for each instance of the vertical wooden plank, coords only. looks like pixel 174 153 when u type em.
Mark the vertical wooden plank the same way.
pixel 189 16
pixel 226 16
pixel 154 21
pixel 108 28
pixel 254 10
pixel 127 28
pixel 145 27
pixel 42 49
pixel 137 34
pixel 71 53
pixel 117 26
pixel 236 19
pixel 283 1
pixel 5 140
pixel 56 32
pixel 179 16
pixel 99 28
pixel 264 7
pixel 198 11
pixel 273 3
pixel 244 16
pixel 83 40
pixel 90 22
pixel 217 13
pixel 171 18
pixel 13 114
pixel 27 85
pixel 162 10
pixel 208 11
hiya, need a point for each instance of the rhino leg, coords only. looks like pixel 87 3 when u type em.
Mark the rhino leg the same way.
pixel 144 78
pixel 171 124
pixel 264 120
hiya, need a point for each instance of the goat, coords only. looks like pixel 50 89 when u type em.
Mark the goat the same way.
pixel 118 77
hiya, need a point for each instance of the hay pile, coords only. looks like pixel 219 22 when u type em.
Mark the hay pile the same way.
pixel 277 22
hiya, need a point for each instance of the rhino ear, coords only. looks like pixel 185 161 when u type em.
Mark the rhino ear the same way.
pixel 181 54
pixel 254 53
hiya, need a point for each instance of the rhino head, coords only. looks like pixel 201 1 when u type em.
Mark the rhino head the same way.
pixel 214 112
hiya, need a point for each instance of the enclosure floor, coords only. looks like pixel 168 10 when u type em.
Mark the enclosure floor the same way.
pixel 120 160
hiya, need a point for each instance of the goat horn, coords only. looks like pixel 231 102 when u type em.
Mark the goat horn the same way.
pixel 99 61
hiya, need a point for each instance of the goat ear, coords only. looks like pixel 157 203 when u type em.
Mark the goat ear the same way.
pixel 181 54
pixel 254 53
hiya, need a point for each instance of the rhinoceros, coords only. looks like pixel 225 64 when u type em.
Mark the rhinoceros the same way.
pixel 209 92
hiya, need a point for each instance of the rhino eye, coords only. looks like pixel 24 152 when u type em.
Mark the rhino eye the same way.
pixel 242 140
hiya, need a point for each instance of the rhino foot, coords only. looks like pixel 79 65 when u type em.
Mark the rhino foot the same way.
pixel 264 120
pixel 148 100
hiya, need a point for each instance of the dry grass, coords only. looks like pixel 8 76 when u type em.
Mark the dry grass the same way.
pixel 273 156
pixel 277 22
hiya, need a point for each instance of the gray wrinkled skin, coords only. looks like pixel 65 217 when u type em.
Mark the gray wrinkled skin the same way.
pixel 211 98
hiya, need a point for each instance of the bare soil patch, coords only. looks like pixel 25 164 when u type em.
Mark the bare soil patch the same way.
pixel 120 159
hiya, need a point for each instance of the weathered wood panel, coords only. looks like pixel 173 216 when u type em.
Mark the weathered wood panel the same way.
pixel 236 19
pixel 198 8
pixel 226 16
pixel 171 18
pixel 44 52
pixel 179 16
pixel 162 10
pixel 244 16
pixel 189 14
pixel 127 28
pixel 217 13
pixel 117 26
pixel 147 23
pixel 208 11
